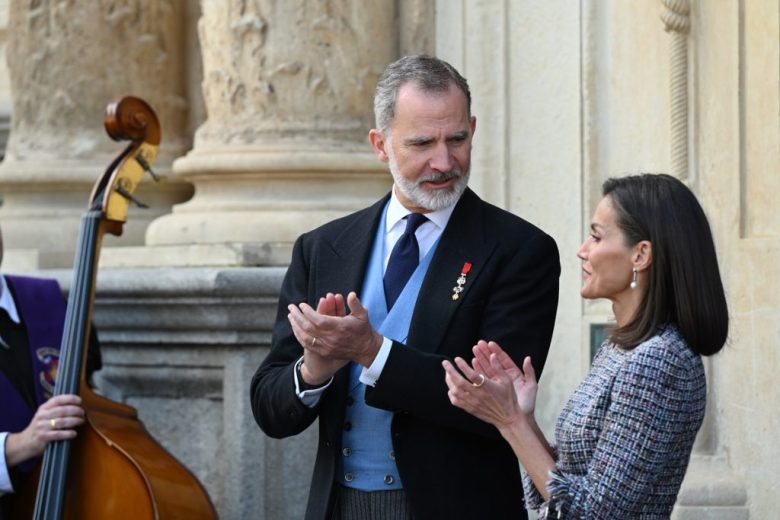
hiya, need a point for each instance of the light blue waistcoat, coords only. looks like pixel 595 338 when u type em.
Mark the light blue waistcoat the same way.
pixel 367 461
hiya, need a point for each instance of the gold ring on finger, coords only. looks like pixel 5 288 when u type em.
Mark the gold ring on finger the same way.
pixel 313 341
pixel 481 381
pixel 53 424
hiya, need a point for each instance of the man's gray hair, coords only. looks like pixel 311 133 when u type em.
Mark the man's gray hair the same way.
pixel 428 73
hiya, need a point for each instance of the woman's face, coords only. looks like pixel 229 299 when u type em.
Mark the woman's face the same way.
pixel 606 259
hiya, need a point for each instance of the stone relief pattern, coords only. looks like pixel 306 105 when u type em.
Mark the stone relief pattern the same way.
pixel 61 90
pixel 308 73
pixel 418 22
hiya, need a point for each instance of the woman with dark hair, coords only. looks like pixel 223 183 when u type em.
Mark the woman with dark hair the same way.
pixel 624 439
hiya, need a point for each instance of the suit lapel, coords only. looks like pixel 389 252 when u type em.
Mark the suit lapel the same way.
pixel 463 241
pixel 344 259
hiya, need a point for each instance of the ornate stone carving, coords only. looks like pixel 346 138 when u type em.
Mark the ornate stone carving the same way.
pixel 68 59
pixel 288 87
pixel 280 70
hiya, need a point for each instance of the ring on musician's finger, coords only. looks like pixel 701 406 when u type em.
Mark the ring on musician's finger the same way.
pixel 481 381
pixel 313 341
pixel 53 424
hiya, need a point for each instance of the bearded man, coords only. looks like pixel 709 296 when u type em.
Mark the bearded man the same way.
pixel 373 302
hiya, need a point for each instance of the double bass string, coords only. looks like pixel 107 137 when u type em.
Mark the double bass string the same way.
pixel 78 306
pixel 51 497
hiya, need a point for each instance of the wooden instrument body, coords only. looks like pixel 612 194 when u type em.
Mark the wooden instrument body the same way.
pixel 118 471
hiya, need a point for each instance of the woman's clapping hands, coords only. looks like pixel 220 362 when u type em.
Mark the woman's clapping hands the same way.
pixel 508 393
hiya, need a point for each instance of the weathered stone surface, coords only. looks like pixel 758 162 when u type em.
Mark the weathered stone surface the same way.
pixel 66 62
pixel 181 346
pixel 277 69
pixel 288 88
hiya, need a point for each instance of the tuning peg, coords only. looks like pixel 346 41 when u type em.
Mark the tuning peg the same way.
pixel 129 196
pixel 147 168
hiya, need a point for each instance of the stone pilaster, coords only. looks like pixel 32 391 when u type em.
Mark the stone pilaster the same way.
pixel 5 87
pixel 66 61
pixel 288 88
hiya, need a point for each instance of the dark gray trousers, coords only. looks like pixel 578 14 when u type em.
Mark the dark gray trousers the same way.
pixel 353 504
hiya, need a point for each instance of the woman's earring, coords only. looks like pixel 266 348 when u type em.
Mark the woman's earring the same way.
pixel 633 284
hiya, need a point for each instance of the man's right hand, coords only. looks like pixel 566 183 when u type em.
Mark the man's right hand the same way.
pixel 55 420
pixel 343 336
pixel 317 369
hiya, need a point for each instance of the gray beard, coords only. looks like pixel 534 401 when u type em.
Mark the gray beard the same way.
pixel 430 200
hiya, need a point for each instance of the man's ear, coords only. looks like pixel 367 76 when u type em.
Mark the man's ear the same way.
pixel 642 256
pixel 378 143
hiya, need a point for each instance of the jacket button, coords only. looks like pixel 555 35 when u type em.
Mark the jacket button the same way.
pixel 347 426
pixel 347 452
pixel 389 479
pixel 392 455
pixel 327 444
pixel 349 477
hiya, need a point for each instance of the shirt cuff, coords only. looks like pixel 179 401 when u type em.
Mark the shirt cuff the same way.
pixel 370 375
pixel 5 478
pixel 309 397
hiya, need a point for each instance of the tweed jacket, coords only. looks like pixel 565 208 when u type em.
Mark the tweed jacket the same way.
pixel 451 464
pixel 624 439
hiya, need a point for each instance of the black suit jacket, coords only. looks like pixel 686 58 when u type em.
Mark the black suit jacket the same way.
pixel 452 465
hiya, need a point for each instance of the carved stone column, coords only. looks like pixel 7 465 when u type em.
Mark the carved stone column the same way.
pixel 66 62
pixel 288 88
pixel 675 15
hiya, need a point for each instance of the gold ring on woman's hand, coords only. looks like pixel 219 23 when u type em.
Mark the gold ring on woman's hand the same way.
pixel 481 381
pixel 53 424
pixel 313 341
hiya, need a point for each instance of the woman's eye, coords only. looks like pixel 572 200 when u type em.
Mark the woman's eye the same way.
pixel 594 237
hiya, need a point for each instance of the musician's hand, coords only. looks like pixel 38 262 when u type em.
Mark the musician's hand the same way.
pixel 55 420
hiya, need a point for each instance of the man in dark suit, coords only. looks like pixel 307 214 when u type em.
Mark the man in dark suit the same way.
pixel 32 314
pixel 390 443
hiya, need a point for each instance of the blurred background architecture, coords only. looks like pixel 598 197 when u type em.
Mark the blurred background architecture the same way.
pixel 265 106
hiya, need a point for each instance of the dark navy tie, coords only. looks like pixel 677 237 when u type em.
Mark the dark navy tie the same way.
pixel 403 260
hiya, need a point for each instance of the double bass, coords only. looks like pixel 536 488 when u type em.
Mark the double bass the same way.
pixel 113 469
